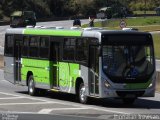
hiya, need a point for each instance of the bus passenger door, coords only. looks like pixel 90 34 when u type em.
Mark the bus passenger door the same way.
pixel 55 58
pixel 17 55
pixel 9 59
pixel 93 71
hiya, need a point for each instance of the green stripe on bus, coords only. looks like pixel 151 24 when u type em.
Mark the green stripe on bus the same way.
pixel 62 32
pixel 138 85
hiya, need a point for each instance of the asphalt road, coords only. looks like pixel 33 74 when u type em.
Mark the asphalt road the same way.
pixel 16 103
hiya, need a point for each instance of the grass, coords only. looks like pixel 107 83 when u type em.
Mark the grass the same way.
pixel 143 12
pixel 141 21
pixel 156 40
pixel 143 24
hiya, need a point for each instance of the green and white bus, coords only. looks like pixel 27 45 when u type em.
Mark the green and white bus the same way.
pixel 86 62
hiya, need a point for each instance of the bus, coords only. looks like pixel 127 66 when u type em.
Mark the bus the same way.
pixel 87 62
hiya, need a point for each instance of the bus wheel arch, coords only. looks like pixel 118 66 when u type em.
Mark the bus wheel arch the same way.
pixel 32 90
pixel 29 73
pixel 81 91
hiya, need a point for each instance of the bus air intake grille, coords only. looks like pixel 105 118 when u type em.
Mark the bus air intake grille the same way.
pixel 126 93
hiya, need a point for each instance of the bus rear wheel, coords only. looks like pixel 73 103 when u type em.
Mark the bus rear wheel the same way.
pixel 83 98
pixel 31 86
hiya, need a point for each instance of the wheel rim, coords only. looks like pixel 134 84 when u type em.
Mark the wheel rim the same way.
pixel 83 93
pixel 31 86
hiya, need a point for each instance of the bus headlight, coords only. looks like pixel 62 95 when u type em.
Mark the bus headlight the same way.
pixel 107 84
pixel 150 85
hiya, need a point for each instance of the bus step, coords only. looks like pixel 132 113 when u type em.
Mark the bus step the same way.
pixel 55 89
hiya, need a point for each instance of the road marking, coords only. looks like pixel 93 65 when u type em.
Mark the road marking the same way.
pixel 32 98
pixel 111 111
pixel 62 103
pixel 4 93
pixel 91 107
pixel 35 113
pixel 7 98
pixel 4 81
pixel 33 103
pixel 47 111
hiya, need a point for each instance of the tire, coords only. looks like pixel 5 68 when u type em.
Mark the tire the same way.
pixel 128 101
pixel 83 98
pixel 31 86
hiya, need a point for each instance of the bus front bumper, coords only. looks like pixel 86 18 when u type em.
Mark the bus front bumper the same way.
pixel 112 93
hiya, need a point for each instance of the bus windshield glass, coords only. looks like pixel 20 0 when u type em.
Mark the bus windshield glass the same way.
pixel 127 62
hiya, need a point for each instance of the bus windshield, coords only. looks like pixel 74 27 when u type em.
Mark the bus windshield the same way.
pixel 128 63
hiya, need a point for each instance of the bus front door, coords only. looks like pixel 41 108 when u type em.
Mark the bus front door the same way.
pixel 17 55
pixel 93 70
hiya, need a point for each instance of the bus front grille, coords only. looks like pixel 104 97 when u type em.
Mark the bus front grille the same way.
pixel 128 93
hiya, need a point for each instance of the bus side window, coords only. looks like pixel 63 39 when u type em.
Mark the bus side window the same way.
pixel 69 49
pixel 81 50
pixel 44 47
pixel 9 45
pixel 25 46
pixel 34 46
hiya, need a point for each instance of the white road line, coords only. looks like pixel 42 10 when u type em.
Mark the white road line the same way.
pixel 33 103
pixel 64 103
pixel 7 98
pixel 111 111
pixel 17 112
pixel 91 107
pixel 4 81
pixel 32 98
pixel 47 111
pixel 4 93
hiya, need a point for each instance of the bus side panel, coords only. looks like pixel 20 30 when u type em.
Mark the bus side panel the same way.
pixel 74 74
pixel 40 70
pixel 85 76
pixel 9 69
pixel 68 73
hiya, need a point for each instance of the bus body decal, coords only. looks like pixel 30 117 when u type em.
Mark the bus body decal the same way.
pixel 38 68
pixel 52 32
pixel 68 73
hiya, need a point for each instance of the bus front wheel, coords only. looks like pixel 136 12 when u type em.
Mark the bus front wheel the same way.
pixel 31 86
pixel 83 98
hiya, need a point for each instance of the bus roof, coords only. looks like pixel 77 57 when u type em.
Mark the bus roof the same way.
pixel 68 32
pixel 39 31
